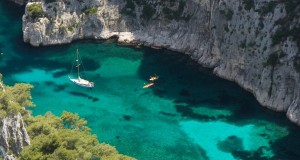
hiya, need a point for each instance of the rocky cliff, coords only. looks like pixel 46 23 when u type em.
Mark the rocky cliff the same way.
pixel 252 42
pixel 13 134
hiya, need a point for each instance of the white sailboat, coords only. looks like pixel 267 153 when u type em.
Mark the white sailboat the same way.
pixel 79 81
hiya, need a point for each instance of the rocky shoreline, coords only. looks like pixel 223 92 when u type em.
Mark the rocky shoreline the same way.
pixel 242 41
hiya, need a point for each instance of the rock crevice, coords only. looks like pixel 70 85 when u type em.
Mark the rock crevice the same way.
pixel 13 136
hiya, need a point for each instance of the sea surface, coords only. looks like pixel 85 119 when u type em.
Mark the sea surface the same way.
pixel 189 114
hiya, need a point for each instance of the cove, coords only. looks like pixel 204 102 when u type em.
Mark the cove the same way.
pixel 189 114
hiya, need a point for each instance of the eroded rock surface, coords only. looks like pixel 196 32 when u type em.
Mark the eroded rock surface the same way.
pixel 254 43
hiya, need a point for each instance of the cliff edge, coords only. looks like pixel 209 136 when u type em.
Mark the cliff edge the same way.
pixel 254 43
pixel 13 134
pixel 13 137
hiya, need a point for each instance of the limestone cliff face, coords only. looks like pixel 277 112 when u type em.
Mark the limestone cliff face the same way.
pixel 13 136
pixel 252 42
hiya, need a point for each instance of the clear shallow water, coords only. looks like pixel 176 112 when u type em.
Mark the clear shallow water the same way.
pixel 190 114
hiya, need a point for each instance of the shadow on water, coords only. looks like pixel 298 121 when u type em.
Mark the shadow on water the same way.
pixel 29 57
pixel 287 148
pixel 12 11
pixel 190 86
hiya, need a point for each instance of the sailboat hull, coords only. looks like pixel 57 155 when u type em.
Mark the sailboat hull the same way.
pixel 79 81
pixel 82 82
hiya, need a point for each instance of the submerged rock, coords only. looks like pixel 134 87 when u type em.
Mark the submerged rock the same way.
pixel 253 43
pixel 231 144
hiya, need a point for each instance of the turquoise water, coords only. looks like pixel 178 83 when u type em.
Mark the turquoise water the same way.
pixel 188 115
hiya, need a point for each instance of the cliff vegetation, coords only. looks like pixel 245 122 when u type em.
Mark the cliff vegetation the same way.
pixel 65 137
pixel 51 137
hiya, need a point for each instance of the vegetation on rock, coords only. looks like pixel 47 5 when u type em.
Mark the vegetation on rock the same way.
pixel 172 10
pixel 228 14
pixel 248 4
pixel 14 99
pixel 50 1
pixel 35 10
pixel 65 137
pixel 90 10
pixel 285 28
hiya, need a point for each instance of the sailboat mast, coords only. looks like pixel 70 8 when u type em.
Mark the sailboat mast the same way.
pixel 77 61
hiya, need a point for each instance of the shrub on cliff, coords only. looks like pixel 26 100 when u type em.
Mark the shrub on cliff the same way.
pixel 35 10
pixel 50 1
pixel 14 99
pixel 65 137
pixel 90 10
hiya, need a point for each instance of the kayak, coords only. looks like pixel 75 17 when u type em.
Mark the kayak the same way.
pixel 153 78
pixel 148 85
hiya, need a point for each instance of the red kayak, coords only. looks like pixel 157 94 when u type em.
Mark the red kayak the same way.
pixel 148 85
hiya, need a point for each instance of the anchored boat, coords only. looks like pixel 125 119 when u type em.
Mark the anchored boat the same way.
pixel 80 81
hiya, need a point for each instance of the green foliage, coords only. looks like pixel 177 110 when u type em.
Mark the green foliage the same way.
pixel 273 60
pixel 91 10
pixel 292 9
pixel 148 12
pixel 296 63
pixel 130 4
pixel 283 32
pixel 226 28
pixel 172 10
pixel 269 7
pixel 53 123
pixel 51 139
pixel 72 121
pixel 14 99
pixel 129 8
pixel 243 44
pixel 228 14
pixel 50 1
pixel 248 4
pixel 66 137
pixel 280 35
pixel 261 24
pixel 71 27
pixel 180 8
pixel 295 32
pixel 176 14
pixel 35 10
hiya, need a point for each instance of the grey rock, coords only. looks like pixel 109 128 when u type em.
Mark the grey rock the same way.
pixel 13 137
pixel 226 35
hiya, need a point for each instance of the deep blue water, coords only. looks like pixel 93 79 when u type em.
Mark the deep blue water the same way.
pixel 189 114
